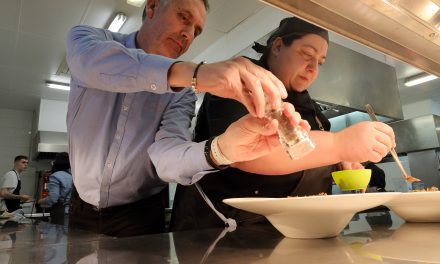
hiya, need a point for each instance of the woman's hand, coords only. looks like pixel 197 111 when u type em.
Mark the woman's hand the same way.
pixel 364 141
pixel 345 165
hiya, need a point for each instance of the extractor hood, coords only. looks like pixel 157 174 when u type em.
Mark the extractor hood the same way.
pixel 51 132
pixel 48 143
pixel 417 134
pixel 408 30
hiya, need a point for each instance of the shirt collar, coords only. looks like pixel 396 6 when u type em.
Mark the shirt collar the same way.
pixel 131 40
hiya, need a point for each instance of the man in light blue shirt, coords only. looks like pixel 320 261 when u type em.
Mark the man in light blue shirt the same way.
pixel 128 117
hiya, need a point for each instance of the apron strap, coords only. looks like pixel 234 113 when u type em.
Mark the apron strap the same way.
pixel 230 223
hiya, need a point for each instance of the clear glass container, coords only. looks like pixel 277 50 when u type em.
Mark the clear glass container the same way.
pixel 294 139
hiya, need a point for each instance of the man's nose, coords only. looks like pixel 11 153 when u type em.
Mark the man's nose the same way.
pixel 188 33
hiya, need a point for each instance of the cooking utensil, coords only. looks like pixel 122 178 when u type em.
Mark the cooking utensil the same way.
pixel 407 177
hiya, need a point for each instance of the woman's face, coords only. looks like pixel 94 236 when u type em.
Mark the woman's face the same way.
pixel 297 65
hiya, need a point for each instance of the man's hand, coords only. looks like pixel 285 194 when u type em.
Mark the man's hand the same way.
pixel 237 79
pixel 242 80
pixel 365 141
pixel 249 137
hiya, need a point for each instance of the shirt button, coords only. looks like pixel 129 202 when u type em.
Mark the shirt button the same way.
pixel 256 191
pixel 153 87
pixel 125 108
pixel 109 165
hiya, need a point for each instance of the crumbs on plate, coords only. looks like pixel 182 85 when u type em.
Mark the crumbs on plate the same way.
pixel 432 189
pixel 319 194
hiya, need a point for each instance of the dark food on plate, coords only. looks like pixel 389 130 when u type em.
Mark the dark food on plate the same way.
pixel 319 194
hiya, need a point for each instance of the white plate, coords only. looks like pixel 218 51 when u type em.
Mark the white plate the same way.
pixel 311 216
pixel 417 206
pixel 412 242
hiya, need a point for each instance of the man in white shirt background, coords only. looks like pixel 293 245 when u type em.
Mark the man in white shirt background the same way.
pixel 10 185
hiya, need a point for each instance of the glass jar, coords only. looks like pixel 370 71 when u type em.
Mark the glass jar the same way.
pixel 294 139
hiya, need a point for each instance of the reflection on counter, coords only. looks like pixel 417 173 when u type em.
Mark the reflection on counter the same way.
pixel 411 242
pixel 369 238
pixel 305 251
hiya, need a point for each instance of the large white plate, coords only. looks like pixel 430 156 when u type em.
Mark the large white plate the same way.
pixel 311 216
pixel 417 206
pixel 412 242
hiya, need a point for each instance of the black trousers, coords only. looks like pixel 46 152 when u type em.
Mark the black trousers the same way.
pixel 58 215
pixel 146 216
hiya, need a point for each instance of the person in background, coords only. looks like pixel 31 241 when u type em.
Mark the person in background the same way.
pixel 129 116
pixel 10 185
pixel 293 53
pixel 59 189
pixel 377 177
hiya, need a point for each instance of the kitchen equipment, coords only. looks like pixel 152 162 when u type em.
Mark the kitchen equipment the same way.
pixel 407 177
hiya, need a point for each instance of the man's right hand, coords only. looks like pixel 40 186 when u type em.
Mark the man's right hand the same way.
pixel 237 79
pixel 242 80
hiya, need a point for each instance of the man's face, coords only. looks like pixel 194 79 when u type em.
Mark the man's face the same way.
pixel 22 164
pixel 171 26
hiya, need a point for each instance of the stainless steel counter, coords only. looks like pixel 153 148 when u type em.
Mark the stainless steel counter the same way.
pixel 370 238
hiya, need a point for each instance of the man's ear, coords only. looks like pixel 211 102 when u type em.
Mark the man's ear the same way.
pixel 151 7
pixel 276 46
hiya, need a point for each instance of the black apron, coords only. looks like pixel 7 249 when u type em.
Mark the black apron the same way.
pixel 14 204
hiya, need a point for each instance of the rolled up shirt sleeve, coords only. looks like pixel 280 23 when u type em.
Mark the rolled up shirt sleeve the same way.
pixel 175 157
pixel 99 61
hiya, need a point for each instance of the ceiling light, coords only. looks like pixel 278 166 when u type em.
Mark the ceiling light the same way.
pixel 420 78
pixel 137 3
pixel 58 85
pixel 117 22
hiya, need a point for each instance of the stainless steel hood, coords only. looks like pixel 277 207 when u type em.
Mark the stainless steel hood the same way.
pixel 349 80
pixel 416 134
pixel 408 30
pixel 48 143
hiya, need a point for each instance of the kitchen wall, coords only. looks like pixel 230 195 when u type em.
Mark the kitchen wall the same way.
pixel 420 108
pixel 15 139
pixel 52 116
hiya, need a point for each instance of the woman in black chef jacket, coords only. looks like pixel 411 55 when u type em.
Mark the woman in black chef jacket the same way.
pixel 293 52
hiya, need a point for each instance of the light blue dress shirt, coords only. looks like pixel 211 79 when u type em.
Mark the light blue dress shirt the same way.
pixel 128 131
pixel 60 188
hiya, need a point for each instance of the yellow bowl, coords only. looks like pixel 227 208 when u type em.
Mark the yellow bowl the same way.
pixel 352 179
